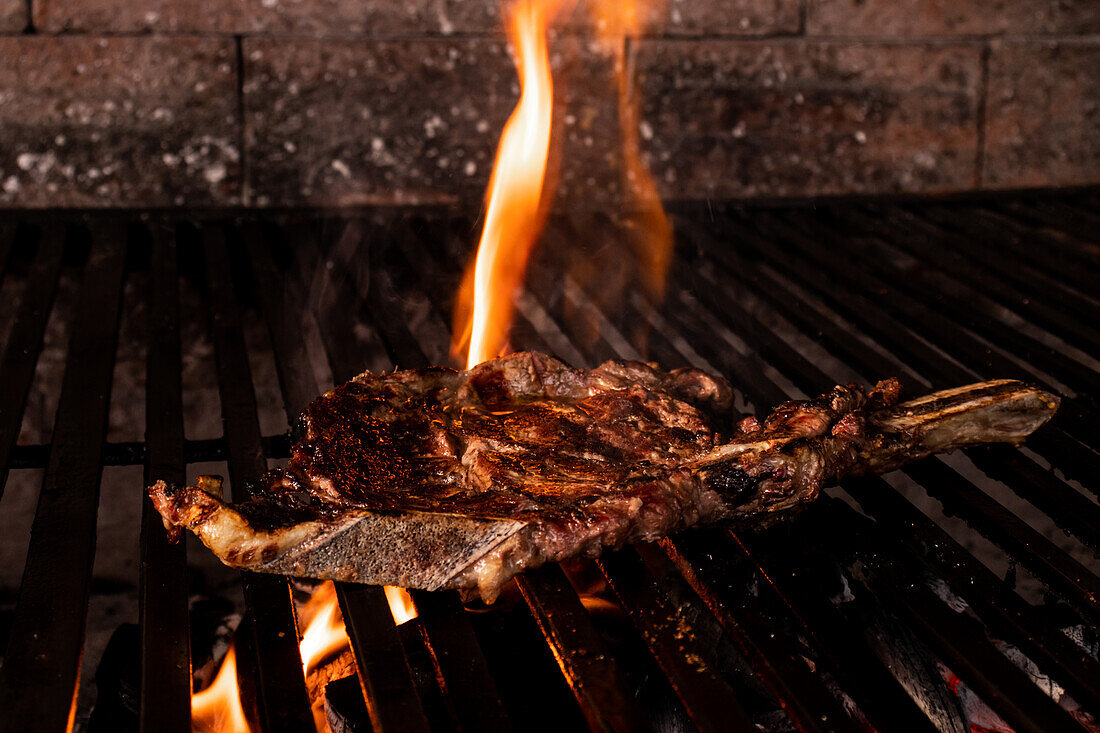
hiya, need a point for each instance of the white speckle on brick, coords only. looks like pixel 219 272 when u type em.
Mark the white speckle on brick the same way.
pixel 152 17
pixel 377 144
pixel 215 173
pixel 342 168
pixel 11 185
pixel 26 161
pixel 482 126
pixel 60 140
pixel 470 168
pixel 200 87
pixel 861 137
pixel 646 130
pixel 739 129
pixel 269 3
pixel 290 147
pixel 433 125
pixel 168 159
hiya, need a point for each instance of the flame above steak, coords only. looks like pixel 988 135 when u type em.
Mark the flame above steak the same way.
pixel 519 193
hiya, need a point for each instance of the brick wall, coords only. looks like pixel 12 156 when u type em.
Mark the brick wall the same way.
pixel 287 102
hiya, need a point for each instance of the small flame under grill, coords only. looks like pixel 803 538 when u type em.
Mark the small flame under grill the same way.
pixel 960 592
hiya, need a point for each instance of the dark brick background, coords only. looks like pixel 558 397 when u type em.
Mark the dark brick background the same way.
pixel 789 118
pixel 340 121
pixel 1044 114
pixel 122 121
pixel 951 17
pixel 669 17
pixel 13 15
pixel 113 16
pixel 286 102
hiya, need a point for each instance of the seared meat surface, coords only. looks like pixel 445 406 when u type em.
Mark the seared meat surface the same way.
pixel 438 478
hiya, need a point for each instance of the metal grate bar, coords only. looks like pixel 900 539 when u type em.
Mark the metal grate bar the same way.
pixel 283 704
pixel 803 580
pixel 590 670
pixel 710 702
pixel 898 336
pixel 1004 528
pixel 1065 505
pixel 882 490
pixel 779 354
pixel 878 694
pixel 1002 233
pixel 1071 229
pixel 588 667
pixel 951 306
pixel 7 245
pixel 392 700
pixel 720 579
pixel 460 663
pixel 1059 311
pixel 993 600
pixel 38 681
pixel 165 641
pixel 25 342
pixel 1075 459
pixel 806 700
pixel 394 704
pixel 1049 562
pixel 1058 215
pixel 958 639
pixel 133 453
pixel 988 660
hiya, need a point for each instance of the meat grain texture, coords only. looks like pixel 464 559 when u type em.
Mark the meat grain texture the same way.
pixel 437 478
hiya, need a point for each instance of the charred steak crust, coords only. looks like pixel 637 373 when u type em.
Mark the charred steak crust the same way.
pixel 559 462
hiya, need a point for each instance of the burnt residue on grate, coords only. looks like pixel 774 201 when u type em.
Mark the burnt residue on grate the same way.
pixel 959 592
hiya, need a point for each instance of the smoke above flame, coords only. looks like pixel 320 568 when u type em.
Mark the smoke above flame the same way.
pixel 518 197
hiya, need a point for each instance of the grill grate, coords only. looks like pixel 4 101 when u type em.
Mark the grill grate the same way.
pixel 784 301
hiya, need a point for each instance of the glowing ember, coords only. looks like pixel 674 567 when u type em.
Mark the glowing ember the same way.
pixel 401 604
pixel 514 212
pixel 217 709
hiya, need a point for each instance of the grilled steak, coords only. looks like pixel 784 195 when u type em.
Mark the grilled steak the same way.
pixel 437 478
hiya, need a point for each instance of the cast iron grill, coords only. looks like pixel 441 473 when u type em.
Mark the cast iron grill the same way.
pixel 784 301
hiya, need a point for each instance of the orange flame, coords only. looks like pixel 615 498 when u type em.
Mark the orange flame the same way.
pixel 401 604
pixel 217 709
pixel 518 193
pixel 514 213
pixel 324 633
